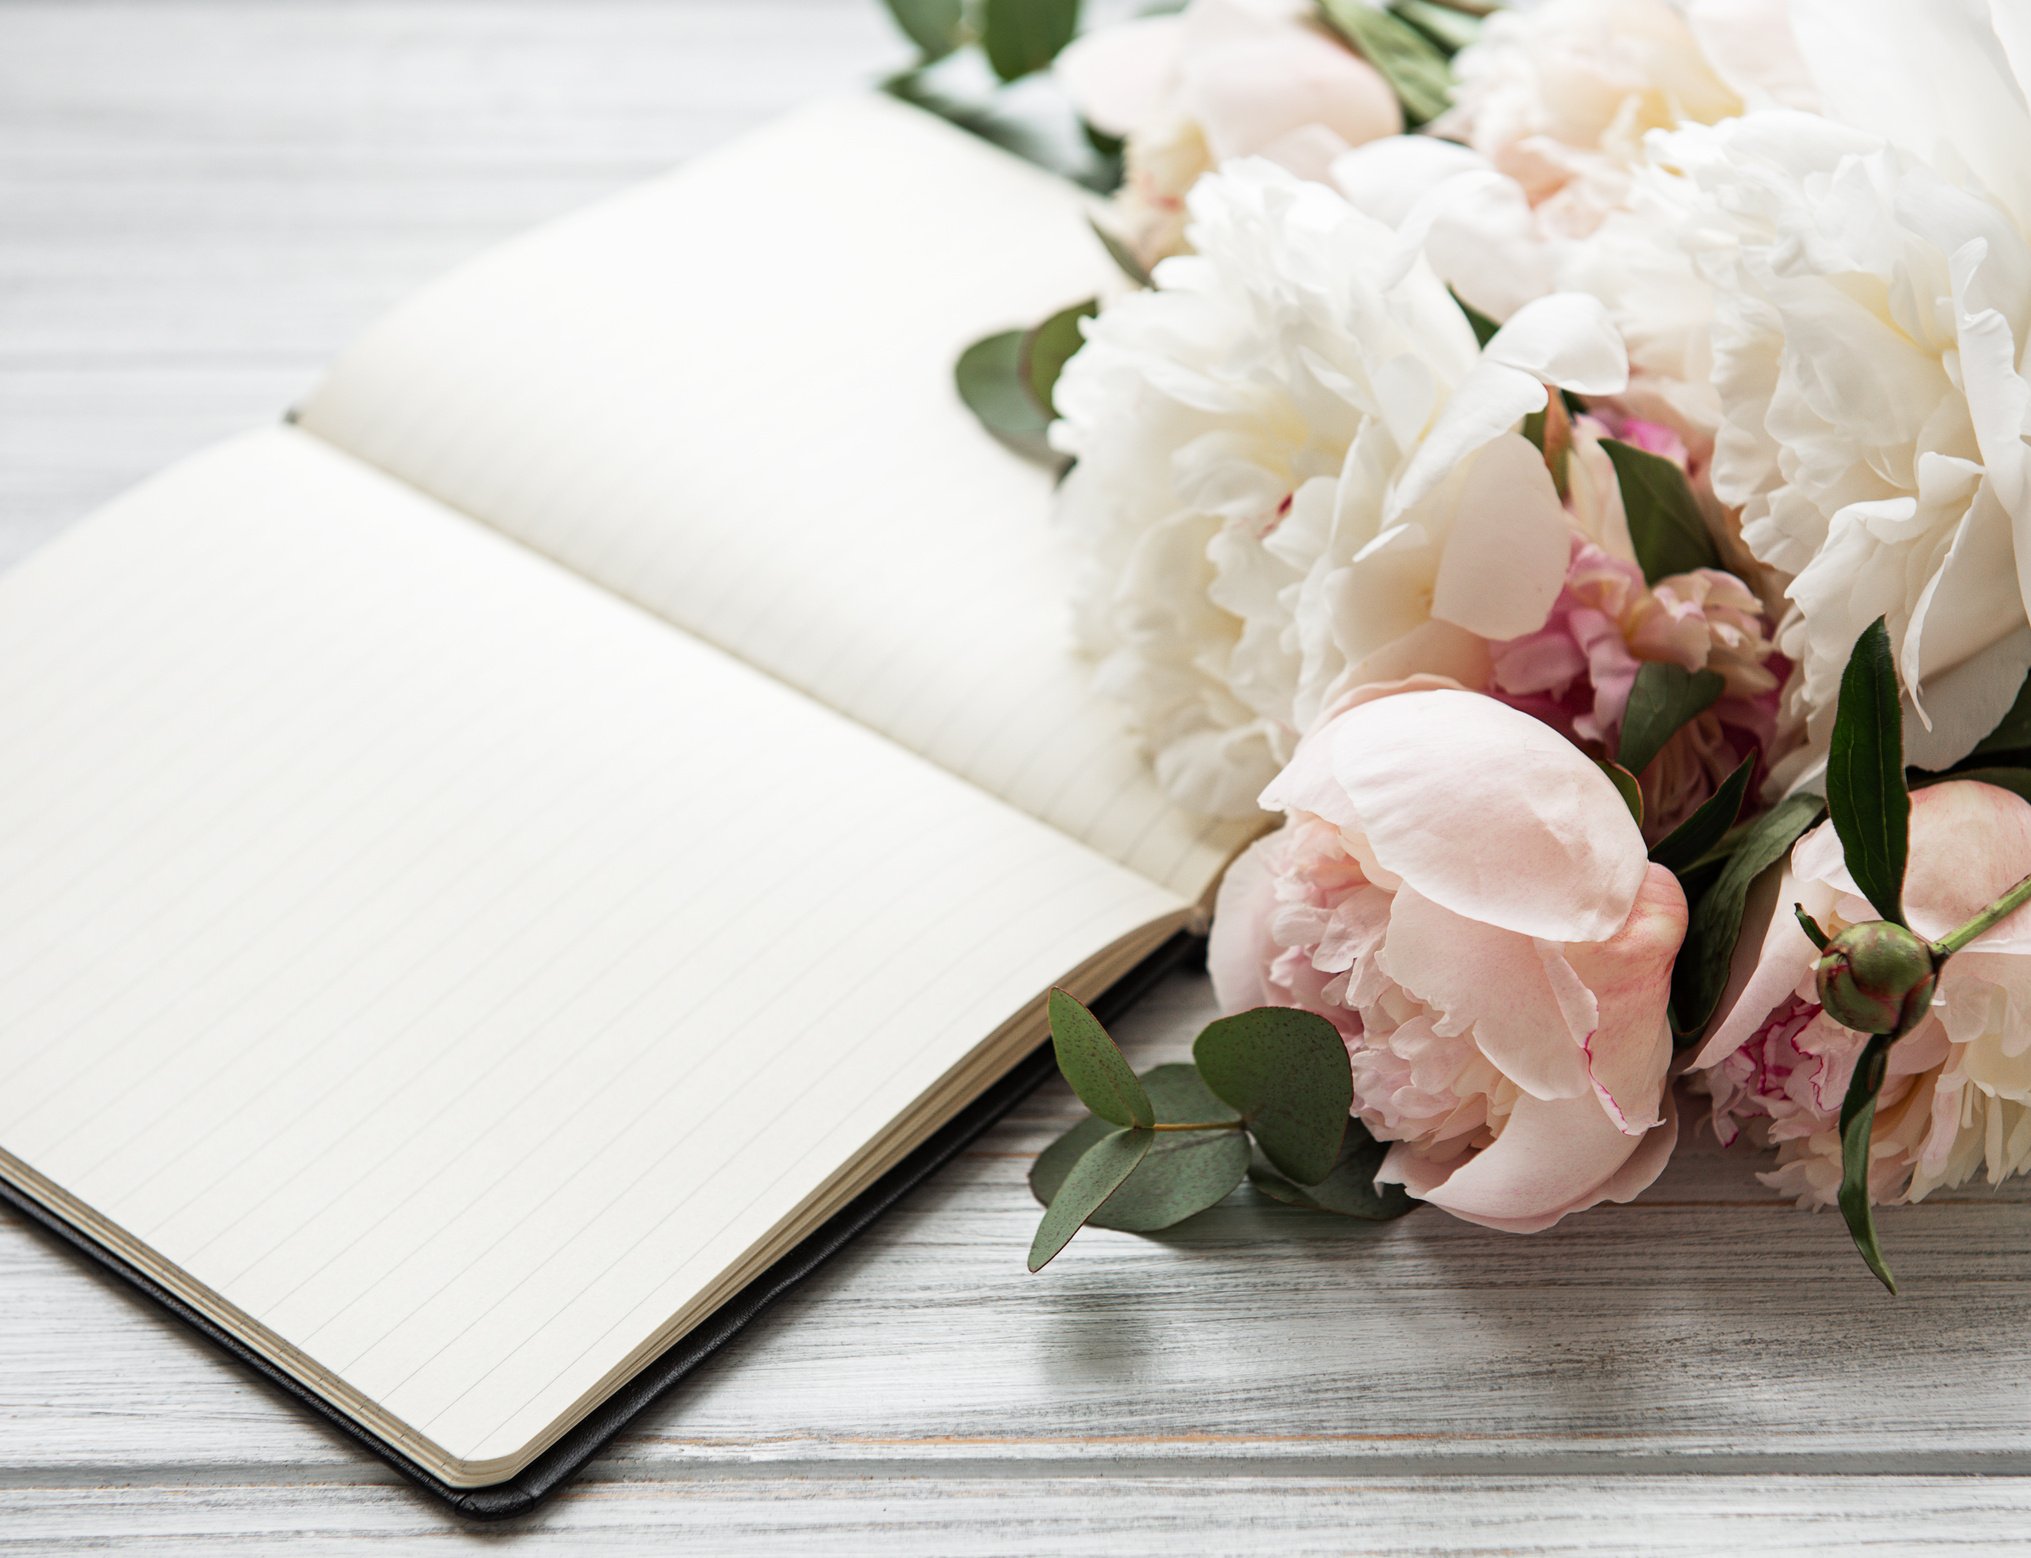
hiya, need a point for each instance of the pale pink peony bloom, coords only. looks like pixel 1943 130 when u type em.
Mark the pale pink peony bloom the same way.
pixel 1460 891
pixel 1223 79
pixel 1576 672
pixel 1958 1096
pixel 1559 96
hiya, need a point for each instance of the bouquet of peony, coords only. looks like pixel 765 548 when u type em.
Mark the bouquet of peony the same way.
pixel 1566 467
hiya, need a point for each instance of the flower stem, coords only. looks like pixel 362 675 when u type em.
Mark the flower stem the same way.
pixel 2004 906
pixel 1197 1125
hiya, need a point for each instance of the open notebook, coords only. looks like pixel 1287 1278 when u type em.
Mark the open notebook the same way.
pixel 487 868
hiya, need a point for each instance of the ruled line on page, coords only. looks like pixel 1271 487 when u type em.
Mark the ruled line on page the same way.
pixel 841 524
pixel 741 1214
pixel 644 1110
pixel 427 1234
pixel 509 931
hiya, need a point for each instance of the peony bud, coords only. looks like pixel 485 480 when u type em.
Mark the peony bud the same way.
pixel 1877 977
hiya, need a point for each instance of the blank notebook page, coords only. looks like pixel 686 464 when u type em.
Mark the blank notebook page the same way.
pixel 452 967
pixel 728 395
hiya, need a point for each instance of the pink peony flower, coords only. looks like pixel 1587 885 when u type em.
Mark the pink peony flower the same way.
pixel 1576 672
pixel 1223 79
pixel 1463 895
pixel 1958 1095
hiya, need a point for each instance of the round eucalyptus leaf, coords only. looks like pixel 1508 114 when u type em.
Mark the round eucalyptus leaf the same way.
pixel 1049 346
pixel 1095 1066
pixel 1286 1071
pixel 992 380
pixel 1349 1191
pixel 1100 1172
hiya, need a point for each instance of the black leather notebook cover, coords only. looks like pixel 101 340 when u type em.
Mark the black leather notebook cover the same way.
pixel 562 1461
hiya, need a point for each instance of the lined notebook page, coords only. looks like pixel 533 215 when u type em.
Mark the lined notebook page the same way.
pixel 448 966
pixel 728 395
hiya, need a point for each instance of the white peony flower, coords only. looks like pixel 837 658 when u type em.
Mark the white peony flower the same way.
pixel 1559 96
pixel 1873 305
pixel 1223 79
pixel 1544 193
pixel 1296 474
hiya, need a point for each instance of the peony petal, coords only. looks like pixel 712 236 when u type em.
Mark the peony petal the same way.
pixel 1566 339
pixel 1307 784
pixel 1970 843
pixel 1505 559
pixel 1239 948
pixel 1552 1158
pixel 1488 813
pixel 1932 78
pixel 1251 95
pixel 1965 703
pixel 1629 1051
pixel 1496 984
pixel 1488 403
pixel 1772 958
pixel 1122 78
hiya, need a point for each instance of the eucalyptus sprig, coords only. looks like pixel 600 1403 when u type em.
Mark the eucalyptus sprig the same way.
pixel 1172 1142
pixel 1010 380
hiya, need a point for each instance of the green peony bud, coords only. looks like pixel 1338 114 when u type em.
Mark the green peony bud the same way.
pixel 1877 977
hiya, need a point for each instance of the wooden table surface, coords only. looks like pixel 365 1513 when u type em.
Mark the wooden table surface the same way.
pixel 199 202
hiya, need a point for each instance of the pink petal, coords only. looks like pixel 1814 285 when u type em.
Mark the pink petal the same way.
pixel 1487 812
pixel 1552 1158
pixel 1239 949
pixel 1248 96
pixel 1307 783
pixel 1123 77
pixel 1629 1052
pixel 1772 957
pixel 1970 843
pixel 1496 984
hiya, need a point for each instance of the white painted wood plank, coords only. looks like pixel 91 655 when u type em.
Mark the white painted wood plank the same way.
pixel 1095 1512
pixel 201 202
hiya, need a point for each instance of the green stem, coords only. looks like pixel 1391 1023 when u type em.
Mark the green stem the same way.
pixel 2008 904
pixel 1198 1125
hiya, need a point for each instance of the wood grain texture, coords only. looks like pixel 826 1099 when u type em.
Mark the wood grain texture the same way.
pixel 202 202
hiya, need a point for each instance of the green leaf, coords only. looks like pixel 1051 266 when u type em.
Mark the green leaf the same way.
pixel 1452 30
pixel 1094 1066
pixel 1049 346
pixel 1286 1071
pixel 1858 1117
pixel 1625 786
pixel 1680 849
pixel 2013 732
pixel 993 382
pixel 1100 1172
pixel 1664 698
pixel 1865 793
pixel 1021 36
pixel 1484 328
pixel 1349 1191
pixel 934 26
pixel 1665 525
pixel 1122 255
pixel 1411 63
pixel 1040 131
pixel 1185 1171
pixel 1701 972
